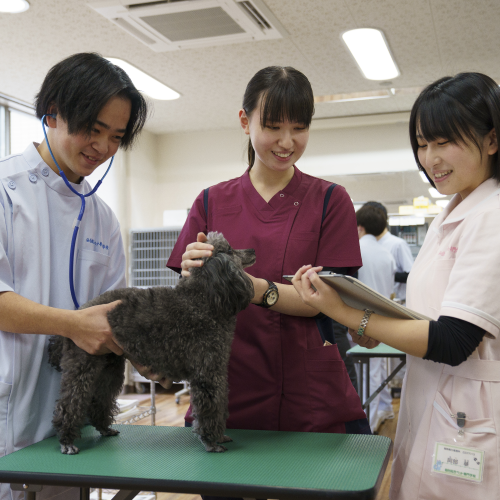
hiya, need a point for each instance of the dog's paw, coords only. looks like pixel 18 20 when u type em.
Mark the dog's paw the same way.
pixel 225 439
pixel 69 449
pixel 217 448
pixel 110 432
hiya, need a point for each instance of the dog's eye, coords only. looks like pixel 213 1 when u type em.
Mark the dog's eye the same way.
pixel 230 251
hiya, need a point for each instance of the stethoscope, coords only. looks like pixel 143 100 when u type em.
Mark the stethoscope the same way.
pixel 80 215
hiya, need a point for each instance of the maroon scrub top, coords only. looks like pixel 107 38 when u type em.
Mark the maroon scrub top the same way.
pixel 281 377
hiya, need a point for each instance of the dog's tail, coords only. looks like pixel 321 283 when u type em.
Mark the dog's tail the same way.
pixel 55 351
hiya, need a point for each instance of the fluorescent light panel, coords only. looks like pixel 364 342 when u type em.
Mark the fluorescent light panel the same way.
pixel 145 83
pixel 371 52
pixel 14 6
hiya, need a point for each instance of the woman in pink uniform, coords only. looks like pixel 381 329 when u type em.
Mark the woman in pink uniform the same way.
pixel 447 443
pixel 281 375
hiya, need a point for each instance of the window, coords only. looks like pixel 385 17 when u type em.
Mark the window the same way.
pixel 24 129
pixel 18 126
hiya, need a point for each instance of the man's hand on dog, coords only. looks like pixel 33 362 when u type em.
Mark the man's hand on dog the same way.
pixel 93 333
pixel 194 253
pixel 146 372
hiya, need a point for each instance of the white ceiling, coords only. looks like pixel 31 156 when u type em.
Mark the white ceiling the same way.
pixel 428 38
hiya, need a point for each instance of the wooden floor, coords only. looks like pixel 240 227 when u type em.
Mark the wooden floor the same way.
pixel 172 414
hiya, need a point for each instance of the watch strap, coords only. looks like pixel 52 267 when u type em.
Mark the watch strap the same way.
pixel 364 322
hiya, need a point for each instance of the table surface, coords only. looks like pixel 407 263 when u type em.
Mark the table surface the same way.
pixel 258 464
pixel 381 351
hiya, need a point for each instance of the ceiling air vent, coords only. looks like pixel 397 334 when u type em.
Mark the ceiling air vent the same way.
pixel 181 24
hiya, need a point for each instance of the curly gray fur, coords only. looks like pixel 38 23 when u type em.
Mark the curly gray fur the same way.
pixel 184 333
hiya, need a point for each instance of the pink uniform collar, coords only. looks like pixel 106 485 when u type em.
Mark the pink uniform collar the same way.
pixel 457 209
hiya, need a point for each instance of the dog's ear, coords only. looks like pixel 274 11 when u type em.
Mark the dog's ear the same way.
pixel 229 289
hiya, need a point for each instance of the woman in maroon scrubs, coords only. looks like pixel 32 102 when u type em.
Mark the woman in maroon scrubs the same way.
pixel 281 375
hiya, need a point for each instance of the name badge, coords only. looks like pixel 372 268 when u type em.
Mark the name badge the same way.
pixel 457 461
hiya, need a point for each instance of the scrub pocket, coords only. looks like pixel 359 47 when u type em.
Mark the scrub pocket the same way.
pixel 5 390
pixel 329 389
pixel 479 434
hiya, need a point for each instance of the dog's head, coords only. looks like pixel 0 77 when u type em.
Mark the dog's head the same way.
pixel 229 289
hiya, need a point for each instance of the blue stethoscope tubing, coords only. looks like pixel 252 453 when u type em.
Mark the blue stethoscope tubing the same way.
pixel 80 215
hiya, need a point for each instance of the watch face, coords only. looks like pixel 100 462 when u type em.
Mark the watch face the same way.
pixel 272 297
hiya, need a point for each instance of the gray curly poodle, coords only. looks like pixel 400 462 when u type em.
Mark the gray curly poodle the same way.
pixel 184 333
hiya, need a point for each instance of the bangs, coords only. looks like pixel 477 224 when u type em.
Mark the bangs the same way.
pixel 442 117
pixel 285 101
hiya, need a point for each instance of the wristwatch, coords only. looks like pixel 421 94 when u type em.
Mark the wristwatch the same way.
pixel 271 296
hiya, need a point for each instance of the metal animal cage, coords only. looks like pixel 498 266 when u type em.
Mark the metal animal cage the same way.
pixel 149 252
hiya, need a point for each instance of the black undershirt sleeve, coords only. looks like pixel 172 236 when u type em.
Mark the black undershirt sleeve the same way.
pixel 452 340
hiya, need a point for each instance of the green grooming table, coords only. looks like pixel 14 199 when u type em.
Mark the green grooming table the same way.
pixel 363 355
pixel 258 464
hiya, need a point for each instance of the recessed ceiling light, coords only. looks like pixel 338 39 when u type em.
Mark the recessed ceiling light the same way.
pixel 435 193
pixel 14 6
pixel 145 83
pixel 371 52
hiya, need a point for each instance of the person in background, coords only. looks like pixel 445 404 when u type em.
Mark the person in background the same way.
pixel 403 256
pixel 401 252
pixel 288 217
pixel 446 443
pixel 91 109
pixel 377 273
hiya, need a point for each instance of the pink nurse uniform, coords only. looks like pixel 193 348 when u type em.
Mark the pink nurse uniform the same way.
pixel 281 377
pixel 457 274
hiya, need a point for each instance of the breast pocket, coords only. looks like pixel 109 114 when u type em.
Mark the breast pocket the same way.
pixel 301 250
pixel 91 271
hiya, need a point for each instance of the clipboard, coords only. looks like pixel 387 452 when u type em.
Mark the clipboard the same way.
pixel 356 294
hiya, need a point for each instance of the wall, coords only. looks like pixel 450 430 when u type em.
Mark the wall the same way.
pixel 190 162
pixel 168 171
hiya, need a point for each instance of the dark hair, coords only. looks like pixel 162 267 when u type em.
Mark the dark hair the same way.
pixel 461 109
pixel 81 85
pixel 286 95
pixel 372 219
pixel 378 205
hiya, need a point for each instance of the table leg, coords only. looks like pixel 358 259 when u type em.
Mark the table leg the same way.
pixel 125 495
pixel 84 493
pixel 367 409
pixel 29 490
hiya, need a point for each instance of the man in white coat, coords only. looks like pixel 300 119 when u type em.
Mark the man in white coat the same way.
pixel 378 273
pixel 401 252
pixel 403 257
pixel 93 109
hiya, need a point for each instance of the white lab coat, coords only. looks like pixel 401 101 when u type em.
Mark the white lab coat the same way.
pixel 401 252
pixel 457 274
pixel 378 273
pixel 37 212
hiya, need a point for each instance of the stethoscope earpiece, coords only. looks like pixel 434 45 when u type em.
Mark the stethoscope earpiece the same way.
pixel 82 208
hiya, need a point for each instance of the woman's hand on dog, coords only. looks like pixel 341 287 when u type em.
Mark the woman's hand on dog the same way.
pixel 145 371
pixel 194 253
pixel 92 332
